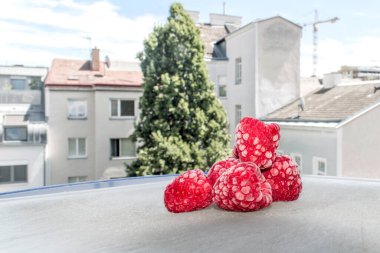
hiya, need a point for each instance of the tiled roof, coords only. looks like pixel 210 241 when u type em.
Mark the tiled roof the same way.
pixel 67 72
pixel 335 104
pixel 211 34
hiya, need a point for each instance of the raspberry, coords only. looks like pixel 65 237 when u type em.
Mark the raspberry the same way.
pixel 188 192
pixel 274 130
pixel 284 178
pixel 242 188
pixel 235 153
pixel 256 142
pixel 220 167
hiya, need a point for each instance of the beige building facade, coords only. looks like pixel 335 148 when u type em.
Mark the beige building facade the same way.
pixel 91 118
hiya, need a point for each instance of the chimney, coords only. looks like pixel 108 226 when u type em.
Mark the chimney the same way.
pixel 331 80
pixel 222 19
pixel 95 59
pixel 194 15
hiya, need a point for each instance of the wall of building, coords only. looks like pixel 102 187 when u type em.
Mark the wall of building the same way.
pixel 278 64
pixel 241 44
pixel 361 146
pixel 30 155
pixel 311 142
pixel 217 69
pixel 59 166
pixel 107 127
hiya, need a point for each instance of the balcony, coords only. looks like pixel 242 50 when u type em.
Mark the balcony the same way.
pixel 32 97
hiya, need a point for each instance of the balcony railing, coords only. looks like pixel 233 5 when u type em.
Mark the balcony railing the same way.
pixel 32 97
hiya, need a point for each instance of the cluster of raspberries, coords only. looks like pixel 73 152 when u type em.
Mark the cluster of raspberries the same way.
pixel 250 180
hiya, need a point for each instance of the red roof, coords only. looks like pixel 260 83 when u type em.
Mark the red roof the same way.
pixel 78 73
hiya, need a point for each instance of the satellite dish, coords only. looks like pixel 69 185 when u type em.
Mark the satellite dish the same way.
pixel 107 61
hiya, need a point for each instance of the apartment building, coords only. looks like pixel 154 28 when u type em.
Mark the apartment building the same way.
pixel 333 131
pixel 255 68
pixel 92 107
pixel 22 127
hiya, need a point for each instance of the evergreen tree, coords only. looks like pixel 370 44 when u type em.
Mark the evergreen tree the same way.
pixel 182 125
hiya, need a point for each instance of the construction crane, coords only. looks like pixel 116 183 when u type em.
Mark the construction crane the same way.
pixel 315 24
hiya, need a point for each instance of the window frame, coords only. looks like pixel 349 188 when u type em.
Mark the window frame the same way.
pixel 238 71
pixel 238 108
pixel 77 179
pixel 76 155
pixel 76 117
pixel 112 157
pixel 222 85
pixel 12 174
pixel 316 170
pixel 119 116
pixel 294 155
pixel 224 88
pixel 19 140
pixel 19 79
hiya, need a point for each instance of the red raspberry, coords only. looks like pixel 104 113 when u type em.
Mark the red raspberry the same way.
pixel 235 152
pixel 188 192
pixel 274 130
pixel 242 188
pixel 220 167
pixel 284 178
pixel 257 142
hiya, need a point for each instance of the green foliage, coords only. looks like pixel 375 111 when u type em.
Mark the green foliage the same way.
pixel 182 124
pixel 36 83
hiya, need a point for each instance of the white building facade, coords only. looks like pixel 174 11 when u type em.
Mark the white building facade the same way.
pixel 257 68
pixel 346 144
pixel 22 127
pixel 91 118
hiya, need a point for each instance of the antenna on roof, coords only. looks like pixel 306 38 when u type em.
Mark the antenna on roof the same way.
pixel 108 61
pixel 89 43
pixel 224 8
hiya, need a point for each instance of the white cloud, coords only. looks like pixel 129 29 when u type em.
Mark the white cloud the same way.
pixel 332 54
pixel 33 31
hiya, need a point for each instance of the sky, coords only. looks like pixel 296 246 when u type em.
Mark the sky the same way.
pixel 34 32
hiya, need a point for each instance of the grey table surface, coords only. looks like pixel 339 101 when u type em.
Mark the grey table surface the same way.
pixel 332 215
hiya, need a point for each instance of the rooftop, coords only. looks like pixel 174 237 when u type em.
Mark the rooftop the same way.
pixel 333 105
pixel 211 34
pixel 332 215
pixel 68 72
pixel 21 70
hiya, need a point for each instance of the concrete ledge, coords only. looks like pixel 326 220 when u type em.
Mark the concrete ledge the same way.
pixel 332 215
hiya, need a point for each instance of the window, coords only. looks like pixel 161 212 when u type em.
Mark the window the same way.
pixel 222 91
pixel 123 147
pixel 122 108
pixel 13 174
pixel 319 166
pixel 237 114
pixel 298 159
pixel 222 88
pixel 77 108
pixel 16 133
pixel 76 179
pixel 238 71
pixel 77 148
pixel 18 84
